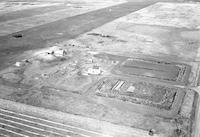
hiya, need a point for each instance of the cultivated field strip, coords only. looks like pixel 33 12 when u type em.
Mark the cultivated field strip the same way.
pixel 21 125
pixel 24 23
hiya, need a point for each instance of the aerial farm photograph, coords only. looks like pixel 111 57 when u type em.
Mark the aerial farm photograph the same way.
pixel 99 68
